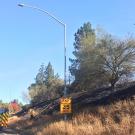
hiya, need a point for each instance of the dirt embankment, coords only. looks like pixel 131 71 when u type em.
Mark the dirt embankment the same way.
pixel 112 114
pixel 114 119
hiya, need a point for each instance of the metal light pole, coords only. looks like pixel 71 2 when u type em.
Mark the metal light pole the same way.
pixel 64 25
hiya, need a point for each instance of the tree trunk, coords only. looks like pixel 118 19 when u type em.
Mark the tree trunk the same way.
pixel 113 85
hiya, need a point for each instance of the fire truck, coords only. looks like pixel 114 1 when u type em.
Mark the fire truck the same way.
pixel 4 114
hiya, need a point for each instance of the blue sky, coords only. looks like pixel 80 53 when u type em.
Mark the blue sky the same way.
pixel 29 38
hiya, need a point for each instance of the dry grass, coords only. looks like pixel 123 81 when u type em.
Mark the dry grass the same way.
pixel 115 119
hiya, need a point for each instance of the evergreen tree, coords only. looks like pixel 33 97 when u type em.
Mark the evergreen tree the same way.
pixel 49 74
pixel 46 86
pixel 83 65
pixel 40 77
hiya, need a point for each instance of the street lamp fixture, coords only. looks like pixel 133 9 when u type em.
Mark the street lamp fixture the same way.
pixel 61 23
pixel 21 5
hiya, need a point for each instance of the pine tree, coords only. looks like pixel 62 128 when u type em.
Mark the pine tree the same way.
pixel 82 65
pixel 46 86
pixel 40 77
pixel 49 74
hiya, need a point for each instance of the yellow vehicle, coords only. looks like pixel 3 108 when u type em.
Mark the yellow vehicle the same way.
pixel 4 114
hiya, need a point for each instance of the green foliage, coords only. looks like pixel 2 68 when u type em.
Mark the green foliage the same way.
pixel 83 65
pixel 100 60
pixel 49 75
pixel 46 86
pixel 40 77
pixel 118 58
pixel 3 105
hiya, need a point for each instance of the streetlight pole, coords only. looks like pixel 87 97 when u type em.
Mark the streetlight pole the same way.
pixel 64 25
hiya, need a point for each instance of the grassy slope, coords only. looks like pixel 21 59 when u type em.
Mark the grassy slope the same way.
pixel 115 119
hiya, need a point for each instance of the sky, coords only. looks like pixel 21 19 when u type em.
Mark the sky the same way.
pixel 29 38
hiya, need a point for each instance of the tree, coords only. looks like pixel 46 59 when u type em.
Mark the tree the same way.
pixel 118 58
pixel 49 75
pixel 14 106
pixel 46 86
pixel 40 77
pixel 101 60
pixel 2 104
pixel 25 97
pixel 37 92
pixel 83 67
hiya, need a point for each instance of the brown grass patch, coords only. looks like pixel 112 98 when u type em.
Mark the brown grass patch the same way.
pixel 115 119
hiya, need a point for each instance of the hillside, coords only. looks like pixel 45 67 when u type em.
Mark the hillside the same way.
pixel 115 119
pixel 101 112
pixel 102 96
